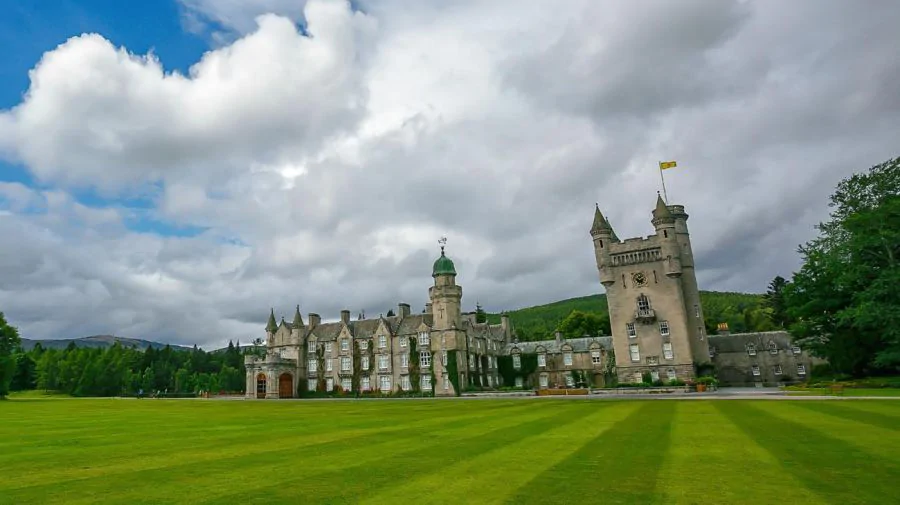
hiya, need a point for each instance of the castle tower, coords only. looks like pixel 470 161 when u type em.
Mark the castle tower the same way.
pixel 447 335
pixel 445 295
pixel 654 302
pixel 271 327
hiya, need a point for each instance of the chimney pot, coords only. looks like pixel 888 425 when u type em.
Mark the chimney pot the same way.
pixel 345 316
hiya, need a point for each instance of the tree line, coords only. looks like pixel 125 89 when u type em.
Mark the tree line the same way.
pixel 118 370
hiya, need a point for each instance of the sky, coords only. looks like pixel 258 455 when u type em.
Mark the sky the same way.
pixel 171 170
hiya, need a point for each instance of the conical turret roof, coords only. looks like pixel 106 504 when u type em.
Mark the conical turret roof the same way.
pixel 298 320
pixel 271 326
pixel 661 212
pixel 600 222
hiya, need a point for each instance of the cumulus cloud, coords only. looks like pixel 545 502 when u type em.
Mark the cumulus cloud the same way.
pixel 323 162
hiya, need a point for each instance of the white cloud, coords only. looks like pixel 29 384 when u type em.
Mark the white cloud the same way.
pixel 326 167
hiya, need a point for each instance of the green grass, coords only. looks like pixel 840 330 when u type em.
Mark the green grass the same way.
pixel 456 451
pixel 846 392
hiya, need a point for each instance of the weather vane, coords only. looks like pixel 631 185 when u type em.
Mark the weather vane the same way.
pixel 443 242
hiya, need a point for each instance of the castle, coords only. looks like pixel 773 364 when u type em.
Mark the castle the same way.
pixel 655 315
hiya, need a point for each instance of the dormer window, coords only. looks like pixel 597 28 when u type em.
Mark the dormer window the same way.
pixel 751 349
pixel 311 346
pixel 773 349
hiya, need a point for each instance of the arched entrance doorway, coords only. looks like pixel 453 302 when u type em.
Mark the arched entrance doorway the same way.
pixel 261 386
pixel 285 386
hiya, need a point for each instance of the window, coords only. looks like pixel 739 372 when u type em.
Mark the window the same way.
pixel 643 304
pixel 777 369
pixel 635 353
pixel 345 344
pixel 311 384
pixel 446 382
pixel 542 360
pixel 328 365
pixel 311 346
pixel 637 378
pixel 312 365
pixel 382 341
pixel 404 383
pixel 329 384
pixel 567 358
pixel 670 373
pixel 801 369
pixel 712 352
pixel 424 359
pixel 543 381
pixel 327 347
pixel 383 361
pixel 471 361
pixel 365 384
pixel 755 370
pixel 403 341
pixel 629 329
pixel 364 362
pixel 570 381
pixel 444 358
pixel 363 345
pixel 346 385
pixel 667 351
pixel 517 361
pixel 519 382
pixel 696 311
pixel 795 349
pixel 385 382
pixel 425 382
pixel 595 357
pixel 773 349
pixel 345 364
pixel 443 341
pixel 751 349
pixel 404 360
pixel 699 333
pixel 664 328
pixel 654 375
pixel 424 338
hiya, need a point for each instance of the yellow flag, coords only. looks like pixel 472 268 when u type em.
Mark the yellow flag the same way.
pixel 666 164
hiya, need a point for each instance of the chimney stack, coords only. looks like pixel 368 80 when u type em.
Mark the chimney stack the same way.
pixel 403 310
pixel 558 337
pixel 504 325
pixel 345 316
pixel 314 320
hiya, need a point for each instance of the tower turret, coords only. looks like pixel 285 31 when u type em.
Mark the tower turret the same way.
pixel 445 295
pixel 603 236
pixel 664 222
pixel 271 326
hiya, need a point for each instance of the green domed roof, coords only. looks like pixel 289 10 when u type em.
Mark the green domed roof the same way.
pixel 443 266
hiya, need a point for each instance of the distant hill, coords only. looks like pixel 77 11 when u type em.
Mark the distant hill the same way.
pixel 101 341
pixel 742 312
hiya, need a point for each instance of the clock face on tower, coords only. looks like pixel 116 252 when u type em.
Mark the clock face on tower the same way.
pixel 639 279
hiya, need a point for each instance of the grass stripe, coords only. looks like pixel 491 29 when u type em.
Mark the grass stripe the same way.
pixel 619 465
pixel 846 412
pixel 709 456
pixel 512 465
pixel 428 453
pixel 838 470
pixel 231 462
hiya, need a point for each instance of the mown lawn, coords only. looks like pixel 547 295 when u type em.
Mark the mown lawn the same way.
pixel 455 451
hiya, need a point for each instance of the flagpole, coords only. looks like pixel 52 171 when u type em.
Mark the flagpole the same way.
pixel 663 179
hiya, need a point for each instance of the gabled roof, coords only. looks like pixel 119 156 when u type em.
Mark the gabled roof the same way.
pixel 578 344
pixel 737 342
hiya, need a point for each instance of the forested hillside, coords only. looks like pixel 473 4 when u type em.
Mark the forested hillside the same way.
pixel 589 315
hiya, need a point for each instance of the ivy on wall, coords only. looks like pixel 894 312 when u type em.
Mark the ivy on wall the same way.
pixel 434 356
pixel 320 368
pixel 508 373
pixel 453 371
pixel 414 374
pixel 357 366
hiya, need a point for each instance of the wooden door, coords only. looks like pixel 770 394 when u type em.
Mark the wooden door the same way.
pixel 285 386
